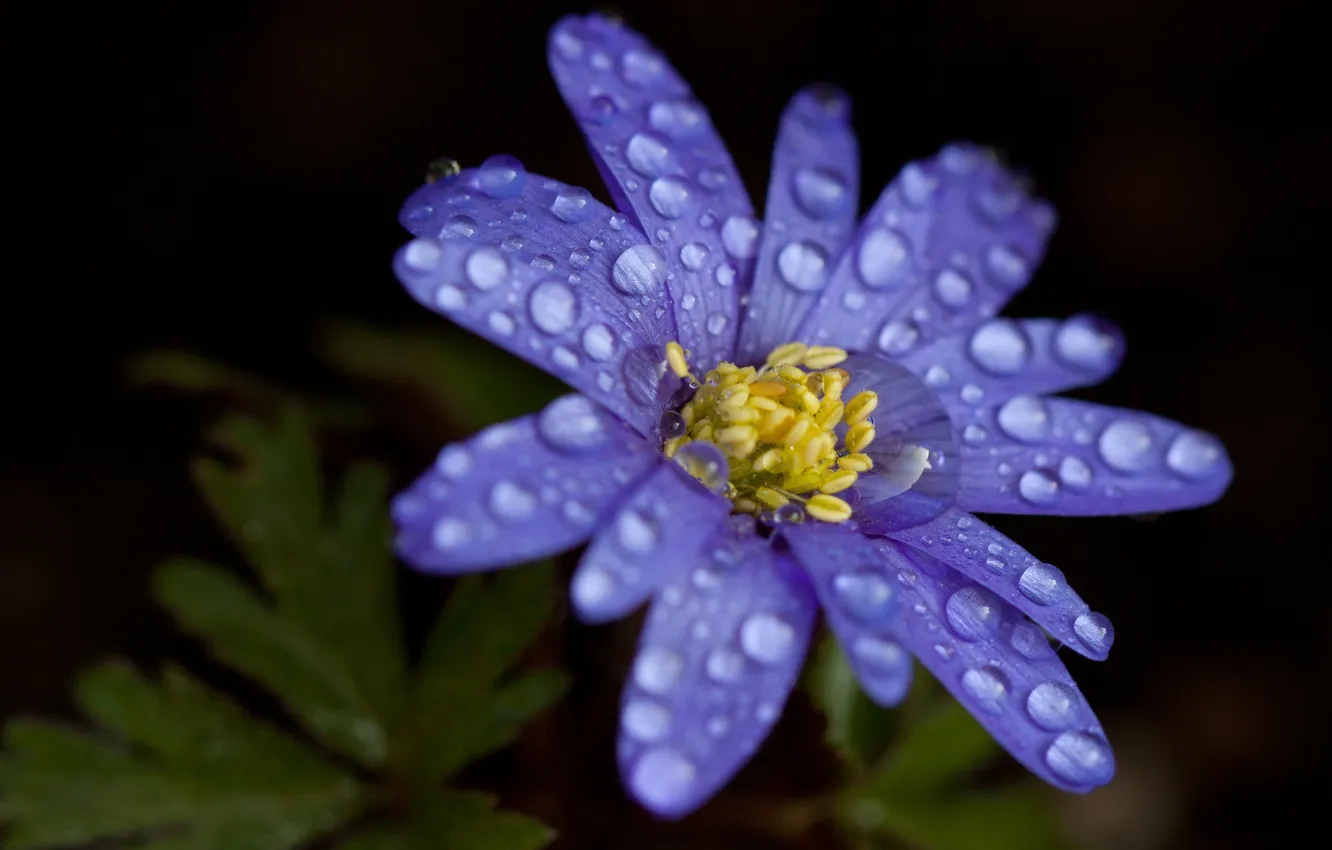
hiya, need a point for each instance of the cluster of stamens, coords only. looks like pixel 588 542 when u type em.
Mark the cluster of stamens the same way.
pixel 777 426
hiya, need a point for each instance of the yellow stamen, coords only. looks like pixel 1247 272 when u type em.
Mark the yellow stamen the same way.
pixel 861 406
pixel 838 482
pixel 828 508
pixel 856 462
pixel 770 497
pixel 792 352
pixel 675 357
pixel 859 436
pixel 824 356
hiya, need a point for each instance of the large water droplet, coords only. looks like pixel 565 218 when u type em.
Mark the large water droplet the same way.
pixel 693 255
pixel 1030 642
pixel 486 268
pixel 898 337
pixel 422 255
pixel 766 638
pixel 866 596
pixel 635 531
pixel 1038 487
pixel 656 670
pixel 462 226
pixel 1080 759
pixel 1006 267
pixel 644 372
pixel 880 656
pixel 1194 454
pixel 599 342
pixel 572 423
pixel 553 307
pixel 987 687
pixel 1095 631
pixel 449 297
pixel 821 192
pixel 501 176
pixel 645 721
pixel 723 665
pixel 601 109
pixel 1000 347
pixel 641 67
pixel 591 587
pixel 639 270
pixel 1074 473
pixel 501 322
pixel 663 779
pixel 803 265
pixel 953 289
pixel 680 120
pixel 450 533
pixel 973 613
pixel 883 259
pixel 670 196
pixel 724 275
pixel 1043 584
pixel 1126 445
pixel 1053 706
pixel 649 155
pixel 512 501
pixel 740 236
pixel 1086 343
pixel 705 463
pixel 717 323
pixel 917 185
pixel 1025 418
pixel 572 205
pixel 454 462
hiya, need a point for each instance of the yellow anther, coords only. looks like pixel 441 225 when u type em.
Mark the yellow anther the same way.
pixel 859 436
pixel 675 356
pixel 828 508
pixel 857 462
pixel 809 401
pixel 769 460
pixel 838 481
pixel 725 368
pixel 773 424
pixel 770 497
pixel 758 402
pixel 792 352
pixel 740 414
pixel 673 445
pixel 830 413
pixel 805 482
pixel 738 440
pixel 794 374
pixel 824 356
pixel 733 398
pixel 745 506
pixel 767 389
pixel 861 406
pixel 799 429
pixel 702 431
pixel 832 384
pixel 689 414
pixel 810 449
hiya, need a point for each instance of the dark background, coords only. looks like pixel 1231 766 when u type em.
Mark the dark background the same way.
pixel 222 176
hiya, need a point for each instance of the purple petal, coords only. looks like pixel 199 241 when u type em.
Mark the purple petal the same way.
pixel 862 600
pixel 663 162
pixel 810 214
pixel 722 648
pixel 551 275
pixel 948 243
pixel 986 653
pixel 1004 568
pixel 660 530
pixel 1057 456
pixel 520 490
pixel 1002 358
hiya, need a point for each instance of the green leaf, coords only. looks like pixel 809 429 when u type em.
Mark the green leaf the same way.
pixel 457 713
pixel 328 568
pixel 186 769
pixel 857 728
pixel 1018 816
pixel 245 632
pixel 455 373
pixel 452 820
pixel 936 750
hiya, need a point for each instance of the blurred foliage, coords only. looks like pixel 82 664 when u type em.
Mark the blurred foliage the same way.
pixel 175 765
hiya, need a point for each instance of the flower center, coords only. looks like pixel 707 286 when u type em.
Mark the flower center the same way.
pixel 778 427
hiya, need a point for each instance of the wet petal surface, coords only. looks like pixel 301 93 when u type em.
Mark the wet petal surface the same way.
pixel 813 198
pixel 947 244
pixel 720 652
pixel 1038 455
pixel 664 163
pixel 520 490
pixel 662 529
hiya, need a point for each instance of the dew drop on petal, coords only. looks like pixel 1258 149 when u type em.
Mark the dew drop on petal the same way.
pixel 740 236
pixel 649 155
pixel 820 192
pixel 883 259
pixel 1053 706
pixel 671 197
pixel 803 266
pixel 656 670
pixel 450 533
pixel 953 289
pixel 640 270
pixel 1024 418
pixel 422 255
pixel 1074 473
pixel 1043 584
pixel 501 176
pixel 645 721
pixel 1085 343
pixel 636 531
pixel 866 596
pixel 512 502
pixel 1038 487
pixel 987 688
pixel 766 638
pixel 1194 455
pixel 552 307
pixel 663 778
pixel 486 268
pixel 693 255
pixel 1080 759
pixel 724 665
pixel 572 205
pixel 599 342
pixel 1030 642
pixel 1095 631
pixel 1126 445
pixel 1000 347
pixel 973 613
pixel 572 423
pixel 898 337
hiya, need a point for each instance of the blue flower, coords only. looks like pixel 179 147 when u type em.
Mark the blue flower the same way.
pixel 778 417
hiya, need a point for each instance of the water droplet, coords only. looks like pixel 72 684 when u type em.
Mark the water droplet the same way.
pixel 803 265
pixel 959 159
pixel 1074 472
pixel 883 259
pixel 1126 445
pixel 663 779
pixel 987 686
pixel 740 236
pixel 1030 642
pixel 917 185
pixel 645 721
pixel 501 322
pixel 724 275
pixel 971 394
pixel 717 323
pixel 641 67
pixel 821 192
pixel 656 670
pixel 450 533
pixel 898 337
pixel 1080 759
pixel 454 462
pixel 1000 347
pixel 766 638
pixel 449 297
pixel 973 435
pixel 693 255
pixel 1095 631
pixel 1024 418
pixel 712 179
pixel 1194 454
pixel 501 176
pixel 1006 267
pixel 1086 343
pixel 598 342
pixel 422 255
pixel 486 268
pixel 1038 487
pixel 552 307
pixel 973 613
pixel 866 596
pixel 462 226
pixel 649 155
pixel 1053 706
pixel 952 288
pixel 670 196
pixel 572 423
pixel 572 205
pixel 591 588
pixel 601 110
pixel 644 371
pixel 577 513
pixel 1043 584
pixel 882 656
pixel 512 501
pixel 853 301
pixel 605 381
pixel 680 120
pixel 705 463
pixel 568 45
pixel 512 242
pixel 543 262
pixel 639 270
pixel 723 665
